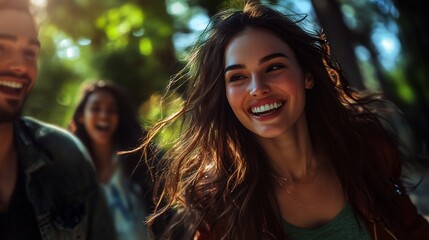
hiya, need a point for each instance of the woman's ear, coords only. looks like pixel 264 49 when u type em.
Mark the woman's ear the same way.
pixel 308 81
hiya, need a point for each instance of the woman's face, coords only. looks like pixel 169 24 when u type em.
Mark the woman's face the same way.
pixel 100 117
pixel 265 86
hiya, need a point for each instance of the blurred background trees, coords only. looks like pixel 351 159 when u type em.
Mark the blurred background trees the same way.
pixel 139 44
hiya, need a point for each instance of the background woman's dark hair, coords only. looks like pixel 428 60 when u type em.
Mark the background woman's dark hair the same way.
pixel 216 176
pixel 128 131
pixel 126 137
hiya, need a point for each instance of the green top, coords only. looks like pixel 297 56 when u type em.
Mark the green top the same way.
pixel 344 226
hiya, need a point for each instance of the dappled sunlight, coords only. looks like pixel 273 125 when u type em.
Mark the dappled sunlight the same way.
pixel 388 46
pixel 145 46
pixel 367 68
pixel 177 7
pixel 67 49
pixel 118 23
pixel 39 3
pixel 157 108
pixel 198 22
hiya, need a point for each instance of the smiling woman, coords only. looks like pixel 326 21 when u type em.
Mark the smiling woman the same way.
pixel 265 87
pixel 105 122
pixel 274 144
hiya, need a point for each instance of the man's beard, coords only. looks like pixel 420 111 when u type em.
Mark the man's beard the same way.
pixel 8 116
pixel 13 115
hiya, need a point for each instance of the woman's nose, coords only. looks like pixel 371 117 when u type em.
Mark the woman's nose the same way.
pixel 258 87
pixel 103 113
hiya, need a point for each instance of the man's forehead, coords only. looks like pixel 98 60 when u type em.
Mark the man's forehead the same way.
pixel 17 23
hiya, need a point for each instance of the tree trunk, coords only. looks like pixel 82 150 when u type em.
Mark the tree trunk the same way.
pixel 414 36
pixel 331 20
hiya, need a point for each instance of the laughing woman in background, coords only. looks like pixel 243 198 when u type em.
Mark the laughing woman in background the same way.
pixel 105 123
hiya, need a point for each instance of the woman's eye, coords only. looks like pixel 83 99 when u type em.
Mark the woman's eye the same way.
pixel 112 111
pixel 275 67
pixel 236 78
pixel 95 109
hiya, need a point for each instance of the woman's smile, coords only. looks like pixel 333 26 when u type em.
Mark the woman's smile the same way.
pixel 265 87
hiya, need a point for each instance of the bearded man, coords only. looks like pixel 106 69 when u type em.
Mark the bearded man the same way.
pixel 48 188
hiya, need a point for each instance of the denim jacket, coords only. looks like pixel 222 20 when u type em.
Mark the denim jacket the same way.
pixel 61 183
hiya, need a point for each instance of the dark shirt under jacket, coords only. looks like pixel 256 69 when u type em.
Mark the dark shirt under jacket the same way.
pixel 19 220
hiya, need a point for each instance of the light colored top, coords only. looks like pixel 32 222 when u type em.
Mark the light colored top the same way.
pixel 345 226
pixel 126 209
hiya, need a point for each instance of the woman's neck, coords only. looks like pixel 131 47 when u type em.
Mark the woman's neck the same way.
pixel 104 161
pixel 292 155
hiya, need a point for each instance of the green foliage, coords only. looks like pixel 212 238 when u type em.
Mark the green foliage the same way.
pixel 118 23
pixel 87 40
pixel 402 88
pixel 157 108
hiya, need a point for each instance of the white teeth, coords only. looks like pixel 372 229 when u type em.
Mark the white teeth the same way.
pixel 103 124
pixel 266 107
pixel 11 84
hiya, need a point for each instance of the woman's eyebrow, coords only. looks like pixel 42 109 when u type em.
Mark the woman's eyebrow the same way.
pixel 233 67
pixel 271 56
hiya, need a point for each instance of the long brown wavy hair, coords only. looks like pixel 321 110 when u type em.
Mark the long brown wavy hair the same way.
pixel 215 178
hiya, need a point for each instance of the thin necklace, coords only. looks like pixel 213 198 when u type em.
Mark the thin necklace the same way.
pixel 282 178
pixel 283 182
